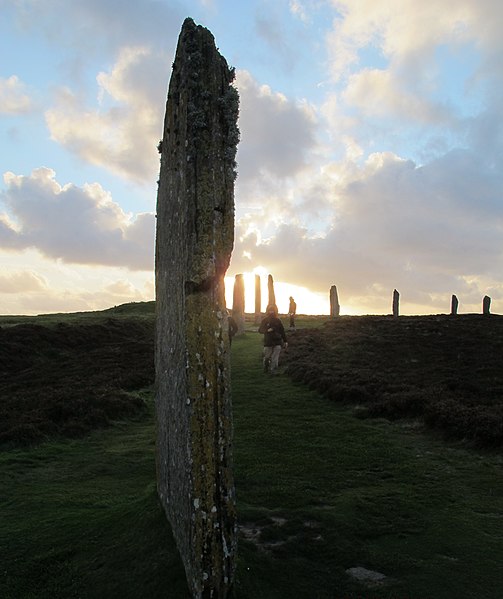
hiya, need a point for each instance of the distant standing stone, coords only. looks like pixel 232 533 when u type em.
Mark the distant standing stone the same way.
pixel 258 300
pixel 396 303
pixel 454 305
pixel 194 240
pixel 334 302
pixel 486 305
pixel 270 291
pixel 238 303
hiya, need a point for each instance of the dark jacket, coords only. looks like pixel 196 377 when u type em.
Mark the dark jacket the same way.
pixel 273 330
pixel 233 328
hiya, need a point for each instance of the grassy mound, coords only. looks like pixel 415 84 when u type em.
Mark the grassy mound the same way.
pixel 448 371
pixel 68 379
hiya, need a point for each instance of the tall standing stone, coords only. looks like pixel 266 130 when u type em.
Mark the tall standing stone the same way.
pixel 271 296
pixel 454 305
pixel 396 303
pixel 486 305
pixel 335 308
pixel 258 299
pixel 195 232
pixel 238 303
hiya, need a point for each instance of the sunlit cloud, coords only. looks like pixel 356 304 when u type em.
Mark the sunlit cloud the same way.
pixel 276 133
pixel 121 131
pixel 402 30
pixel 378 93
pixel 73 224
pixel 14 96
pixel 421 229
pixel 413 74
pixel 33 284
pixel 21 282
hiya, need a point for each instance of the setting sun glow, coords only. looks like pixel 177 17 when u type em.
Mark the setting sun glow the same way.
pixel 307 301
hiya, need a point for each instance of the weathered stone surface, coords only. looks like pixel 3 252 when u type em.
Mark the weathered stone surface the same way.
pixel 195 233
pixel 454 305
pixel 335 308
pixel 396 303
pixel 258 299
pixel 238 303
pixel 271 301
pixel 486 305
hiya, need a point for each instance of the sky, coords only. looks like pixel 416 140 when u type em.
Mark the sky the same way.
pixel 371 152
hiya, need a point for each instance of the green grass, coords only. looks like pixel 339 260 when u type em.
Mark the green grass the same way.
pixel 358 493
pixel 81 519
pixel 318 491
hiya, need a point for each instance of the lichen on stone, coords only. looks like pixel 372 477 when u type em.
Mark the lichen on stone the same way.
pixel 195 235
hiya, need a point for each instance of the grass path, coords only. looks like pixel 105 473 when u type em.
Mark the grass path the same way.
pixel 329 492
pixel 319 492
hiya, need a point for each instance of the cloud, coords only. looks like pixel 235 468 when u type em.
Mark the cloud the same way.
pixel 414 74
pixel 428 231
pixel 276 133
pixel 121 133
pixel 380 93
pixel 298 9
pixel 14 96
pixel 324 195
pixel 121 288
pixel 32 284
pixel 413 38
pixel 120 129
pixel 403 30
pixel 80 225
pixel 271 32
pixel 61 298
pixel 94 27
pixel 22 282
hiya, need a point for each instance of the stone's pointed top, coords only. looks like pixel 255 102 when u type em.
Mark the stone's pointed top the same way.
pixel 189 27
pixel 197 53
pixel 189 22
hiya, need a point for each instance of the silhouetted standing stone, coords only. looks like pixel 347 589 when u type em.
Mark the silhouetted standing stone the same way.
pixel 486 305
pixel 396 303
pixel 195 232
pixel 270 290
pixel 335 308
pixel 258 299
pixel 238 303
pixel 454 305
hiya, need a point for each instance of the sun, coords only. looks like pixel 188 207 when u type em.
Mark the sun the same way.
pixel 308 302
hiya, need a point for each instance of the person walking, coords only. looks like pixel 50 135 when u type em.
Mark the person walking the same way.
pixel 233 327
pixel 274 338
pixel 292 310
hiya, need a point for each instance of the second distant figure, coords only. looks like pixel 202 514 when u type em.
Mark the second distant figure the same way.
pixel 292 310
pixel 274 338
pixel 233 327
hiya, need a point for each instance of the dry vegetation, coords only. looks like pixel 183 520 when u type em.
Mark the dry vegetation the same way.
pixel 318 490
pixel 445 370
pixel 67 379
